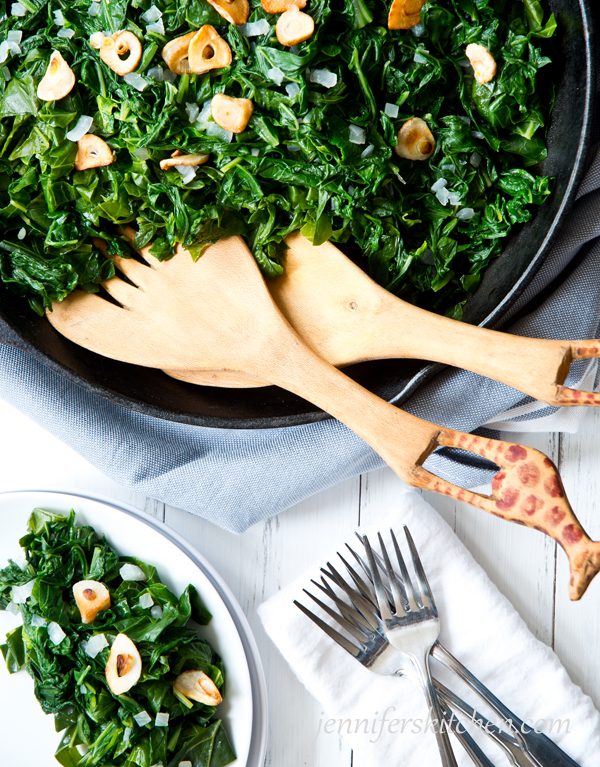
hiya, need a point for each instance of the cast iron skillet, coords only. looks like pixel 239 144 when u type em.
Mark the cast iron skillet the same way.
pixel 154 393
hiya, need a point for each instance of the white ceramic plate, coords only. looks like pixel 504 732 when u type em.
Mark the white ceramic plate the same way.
pixel 135 533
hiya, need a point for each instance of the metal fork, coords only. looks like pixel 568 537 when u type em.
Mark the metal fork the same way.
pixel 524 746
pixel 372 649
pixel 412 627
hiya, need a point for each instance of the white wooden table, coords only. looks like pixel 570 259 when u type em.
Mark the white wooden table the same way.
pixel 524 564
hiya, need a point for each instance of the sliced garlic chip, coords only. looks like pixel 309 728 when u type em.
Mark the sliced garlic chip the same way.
pixel 208 50
pixel 482 61
pixel 58 81
pixel 91 597
pixel 281 6
pixel 231 114
pixel 294 26
pixel 175 53
pixel 92 152
pixel 405 14
pixel 116 46
pixel 415 140
pixel 124 666
pixel 177 158
pixel 196 685
pixel 236 11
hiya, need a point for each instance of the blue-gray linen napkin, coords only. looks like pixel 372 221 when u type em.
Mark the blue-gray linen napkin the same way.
pixel 234 478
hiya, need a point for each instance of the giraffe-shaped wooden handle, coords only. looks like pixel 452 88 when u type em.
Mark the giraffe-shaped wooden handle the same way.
pixel 527 490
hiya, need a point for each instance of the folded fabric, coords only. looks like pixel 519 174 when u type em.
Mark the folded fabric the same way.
pixel 478 626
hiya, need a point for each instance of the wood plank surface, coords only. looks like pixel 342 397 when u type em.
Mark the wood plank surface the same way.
pixel 523 563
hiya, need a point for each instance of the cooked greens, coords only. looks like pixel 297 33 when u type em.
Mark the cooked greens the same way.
pixel 71 684
pixel 317 154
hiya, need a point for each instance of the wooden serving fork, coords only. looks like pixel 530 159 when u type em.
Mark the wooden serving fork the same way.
pixel 217 314
pixel 346 318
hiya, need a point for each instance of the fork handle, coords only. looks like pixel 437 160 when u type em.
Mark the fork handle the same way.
pixel 526 490
pixel 423 674
pixel 538 747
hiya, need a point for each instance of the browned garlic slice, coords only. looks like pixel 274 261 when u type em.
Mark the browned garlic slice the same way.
pixel 175 53
pixel 196 685
pixel 58 81
pixel 405 14
pixel 92 152
pixel 294 26
pixel 281 6
pixel 482 61
pixel 177 158
pixel 415 140
pixel 91 597
pixel 124 666
pixel 231 114
pixel 235 11
pixel 208 50
pixel 116 46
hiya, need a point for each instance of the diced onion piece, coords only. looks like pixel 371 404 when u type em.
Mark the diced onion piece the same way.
pixel 465 119
pixel 126 733
pixel 447 166
pixel 293 89
pixel 187 172
pixel 367 151
pixel 96 40
pixel 156 612
pixel 418 30
pixel 169 77
pixel 443 195
pixel 59 19
pixel 157 73
pixel 18 9
pixel 453 198
pixel 20 594
pixel 358 135
pixel 439 184
pixel 55 633
pixel 66 33
pixel 392 110
pixel 419 58
pixel 255 152
pixel 475 159
pixel 192 111
pixel 464 214
pixel 254 28
pixel 131 572
pixel 157 26
pixel 142 718
pixel 276 75
pixel 146 601
pixel 477 134
pixel 185 764
pixel 464 63
pixel 95 645
pixel 13 608
pixel 22 233
pixel 14 36
pixel 162 720
pixel 21 561
pixel 83 689
pixel 152 14
pixel 5 73
pixel 294 148
pixel 136 81
pixel 38 622
pixel 351 190
pixel 212 129
pixel 205 115
pixel 323 77
pixel 82 127
pixel 8 47
pixel 427 257
pixel 93 9
pixel 141 153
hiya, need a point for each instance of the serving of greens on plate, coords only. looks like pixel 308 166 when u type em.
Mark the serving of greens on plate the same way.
pixel 289 123
pixel 111 653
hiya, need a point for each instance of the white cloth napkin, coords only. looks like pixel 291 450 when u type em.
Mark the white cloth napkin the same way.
pixel 479 627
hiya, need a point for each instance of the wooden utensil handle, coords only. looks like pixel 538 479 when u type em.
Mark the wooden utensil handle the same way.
pixel 537 367
pixel 527 489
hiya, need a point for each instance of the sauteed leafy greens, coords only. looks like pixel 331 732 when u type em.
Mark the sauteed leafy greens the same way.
pixel 296 165
pixel 72 685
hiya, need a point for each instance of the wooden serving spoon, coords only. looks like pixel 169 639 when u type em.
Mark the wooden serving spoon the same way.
pixel 345 317
pixel 180 315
